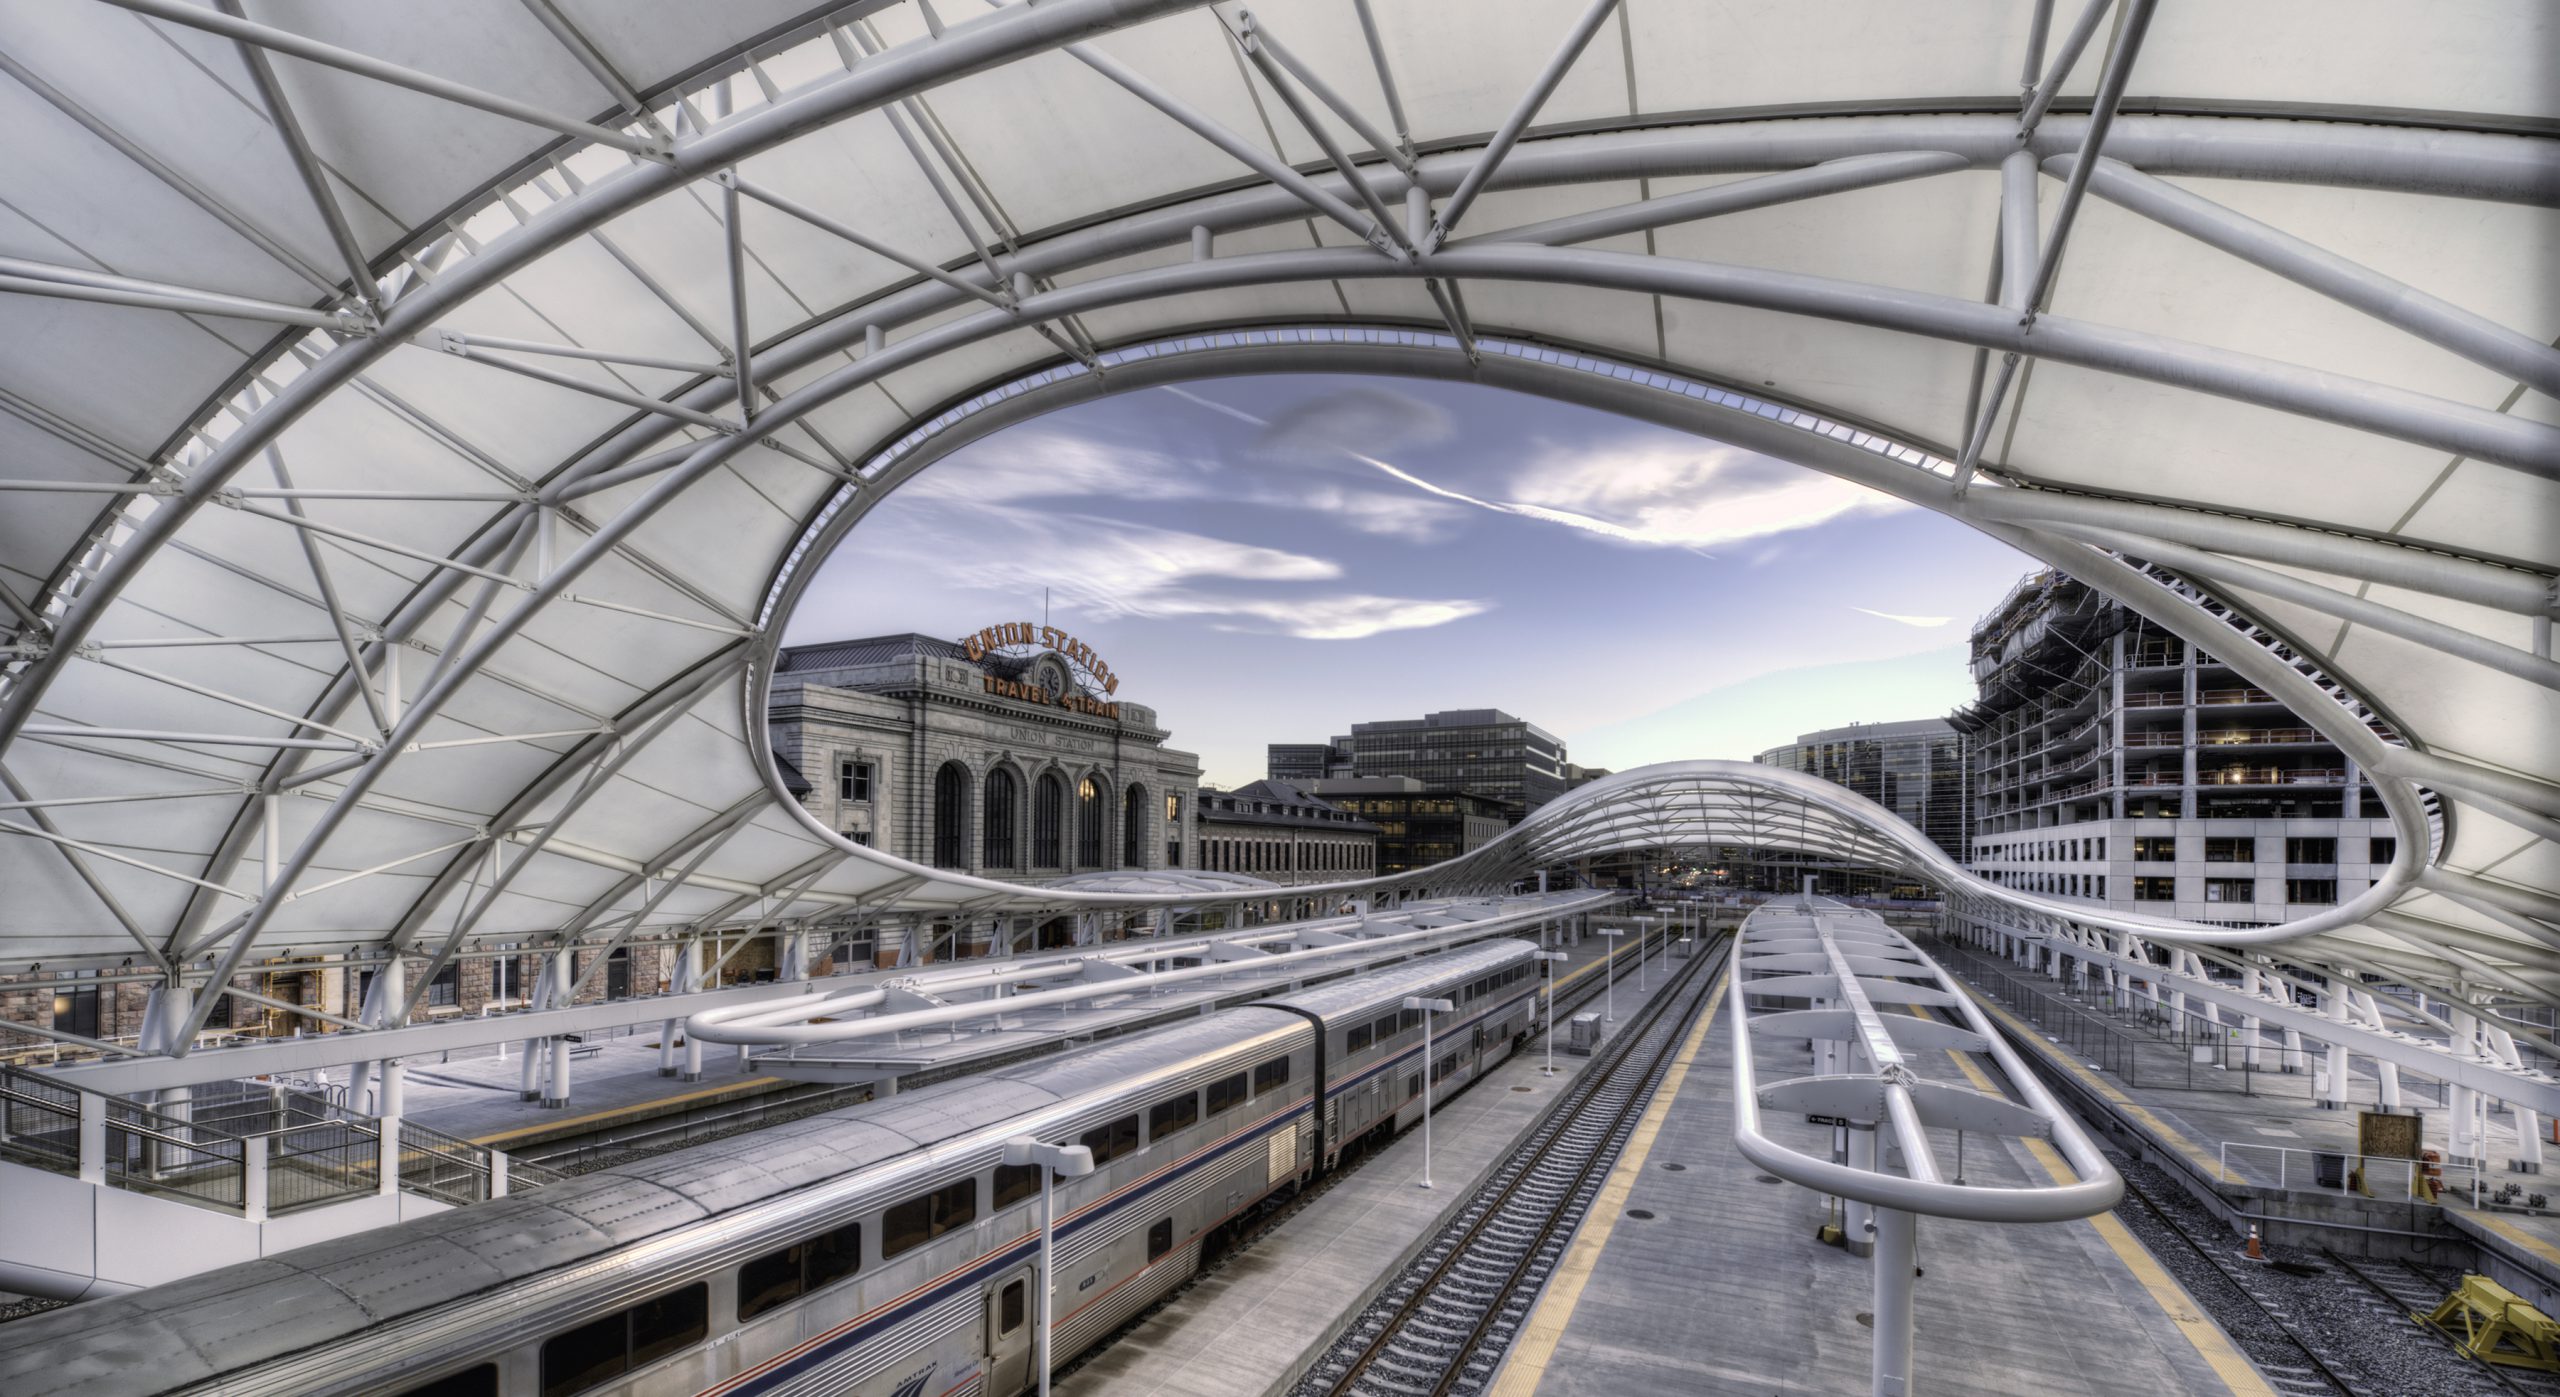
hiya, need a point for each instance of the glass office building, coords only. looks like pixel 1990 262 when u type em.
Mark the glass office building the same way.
pixel 1482 751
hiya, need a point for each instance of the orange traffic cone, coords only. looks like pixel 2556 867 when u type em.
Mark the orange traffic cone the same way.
pixel 2256 1252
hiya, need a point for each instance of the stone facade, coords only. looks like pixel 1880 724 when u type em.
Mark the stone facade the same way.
pixel 1004 766
pixel 1273 830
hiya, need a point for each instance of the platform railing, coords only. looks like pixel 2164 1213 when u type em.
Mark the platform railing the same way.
pixel 2386 1177
pixel 251 1148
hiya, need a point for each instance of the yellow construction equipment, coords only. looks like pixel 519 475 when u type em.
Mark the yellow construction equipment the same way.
pixel 2487 1321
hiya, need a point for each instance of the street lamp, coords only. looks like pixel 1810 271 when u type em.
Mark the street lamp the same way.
pixel 1609 974
pixel 1551 957
pixel 1428 1008
pixel 1644 937
pixel 1054 1161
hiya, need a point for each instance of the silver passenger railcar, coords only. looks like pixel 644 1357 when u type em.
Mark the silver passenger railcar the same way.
pixel 880 1249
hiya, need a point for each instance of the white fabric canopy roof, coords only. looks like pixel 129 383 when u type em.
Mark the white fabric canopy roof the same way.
pixel 2296 355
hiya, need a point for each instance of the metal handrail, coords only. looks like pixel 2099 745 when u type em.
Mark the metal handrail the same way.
pixel 2098 1186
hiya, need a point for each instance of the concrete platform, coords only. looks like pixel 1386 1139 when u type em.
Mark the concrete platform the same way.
pixel 2253 1137
pixel 1722 1286
pixel 476 1098
pixel 1253 1326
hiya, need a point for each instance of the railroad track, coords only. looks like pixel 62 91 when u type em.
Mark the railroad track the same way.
pixel 2399 1290
pixel 1444 1323
pixel 2366 1344
pixel 1280 1213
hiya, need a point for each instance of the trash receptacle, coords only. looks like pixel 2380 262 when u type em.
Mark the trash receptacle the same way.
pixel 2330 1169
pixel 1582 1034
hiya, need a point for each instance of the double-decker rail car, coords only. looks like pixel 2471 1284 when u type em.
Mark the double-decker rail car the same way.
pixel 880 1249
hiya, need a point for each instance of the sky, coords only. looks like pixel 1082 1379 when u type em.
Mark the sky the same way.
pixel 1270 559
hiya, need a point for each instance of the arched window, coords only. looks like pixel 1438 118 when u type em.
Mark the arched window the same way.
pixel 995 840
pixel 950 816
pixel 1092 813
pixel 1133 827
pixel 1048 814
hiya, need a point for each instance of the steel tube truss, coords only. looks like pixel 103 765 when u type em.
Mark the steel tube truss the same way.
pixel 367 714
pixel 1847 965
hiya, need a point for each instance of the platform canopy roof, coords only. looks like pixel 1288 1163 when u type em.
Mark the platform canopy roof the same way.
pixel 416 420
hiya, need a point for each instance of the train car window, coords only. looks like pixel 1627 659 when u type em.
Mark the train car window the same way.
pixel 1226 1093
pixel 1009 1308
pixel 1178 1113
pixel 1386 1027
pixel 1109 1142
pixel 775 1278
pixel 1270 1074
pixel 1159 1241
pixel 602 1350
pixel 1408 1021
pixel 590 1354
pixel 908 1225
pixel 1360 1037
pixel 832 1256
pixel 674 1321
pixel 1016 1182
pixel 1413 1086
pixel 470 1382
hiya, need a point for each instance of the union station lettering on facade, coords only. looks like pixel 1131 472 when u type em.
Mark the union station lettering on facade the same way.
pixel 1011 634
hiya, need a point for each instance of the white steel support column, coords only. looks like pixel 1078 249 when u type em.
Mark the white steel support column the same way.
pixel 2333 1089
pixel 1896 1265
pixel 2464 1145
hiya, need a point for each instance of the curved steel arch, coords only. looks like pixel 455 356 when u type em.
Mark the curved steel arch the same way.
pixel 1796 157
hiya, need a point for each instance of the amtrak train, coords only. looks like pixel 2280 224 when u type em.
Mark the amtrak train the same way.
pixel 880 1249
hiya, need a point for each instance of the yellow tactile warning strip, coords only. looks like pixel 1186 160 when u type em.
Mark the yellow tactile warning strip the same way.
pixel 1546 1326
pixel 642 1108
pixel 2514 1234
pixel 2211 1344
pixel 2160 1130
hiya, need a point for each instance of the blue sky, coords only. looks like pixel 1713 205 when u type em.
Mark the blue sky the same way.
pixel 1270 559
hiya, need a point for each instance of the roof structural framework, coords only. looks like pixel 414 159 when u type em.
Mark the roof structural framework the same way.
pixel 416 423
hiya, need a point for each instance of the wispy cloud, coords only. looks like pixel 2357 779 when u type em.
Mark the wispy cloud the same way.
pixel 1109 567
pixel 1675 494
pixel 1924 622
pixel 1343 424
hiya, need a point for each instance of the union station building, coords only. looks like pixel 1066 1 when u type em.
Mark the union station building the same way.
pixel 1008 756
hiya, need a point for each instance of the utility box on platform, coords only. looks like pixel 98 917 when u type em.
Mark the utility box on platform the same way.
pixel 1582 1034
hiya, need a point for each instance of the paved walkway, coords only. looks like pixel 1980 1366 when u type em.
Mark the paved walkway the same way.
pixel 1253 1325
pixel 1697 1273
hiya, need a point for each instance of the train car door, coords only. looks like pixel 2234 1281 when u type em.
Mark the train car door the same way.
pixel 1010 1315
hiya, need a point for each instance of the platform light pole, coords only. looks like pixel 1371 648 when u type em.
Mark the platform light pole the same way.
pixel 1551 957
pixel 1644 937
pixel 1054 1161
pixel 1428 1008
pixel 1609 975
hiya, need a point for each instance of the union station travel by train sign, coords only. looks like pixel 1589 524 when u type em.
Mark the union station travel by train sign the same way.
pixel 1063 669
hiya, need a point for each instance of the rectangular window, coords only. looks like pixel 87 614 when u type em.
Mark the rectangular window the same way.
pixel 445 990
pixel 2307 850
pixel 602 1350
pixel 909 1225
pixel 2155 848
pixel 1385 1027
pixel 1226 1093
pixel 2311 890
pixel 853 782
pixel 1109 1142
pixel 2382 849
pixel 1408 1020
pixel 2231 850
pixel 1177 1113
pixel 1010 1308
pixel 1016 1182
pixel 1269 1075
pixel 1159 1240
pixel 1359 1039
pixel 2230 890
